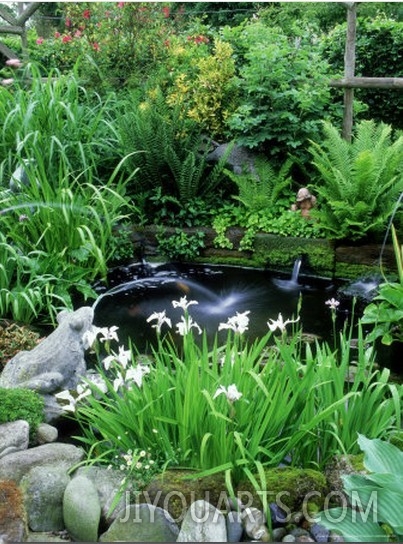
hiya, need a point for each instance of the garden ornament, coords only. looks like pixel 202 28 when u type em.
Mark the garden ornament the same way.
pixel 305 201
pixel 56 364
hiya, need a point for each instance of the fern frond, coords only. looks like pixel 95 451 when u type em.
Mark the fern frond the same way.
pixel 360 181
pixel 261 188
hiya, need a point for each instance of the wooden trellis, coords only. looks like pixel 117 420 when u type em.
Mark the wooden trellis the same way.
pixel 350 82
pixel 16 26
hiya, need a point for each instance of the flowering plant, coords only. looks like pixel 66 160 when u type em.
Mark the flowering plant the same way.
pixel 233 406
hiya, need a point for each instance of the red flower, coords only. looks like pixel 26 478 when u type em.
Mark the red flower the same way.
pixel 95 46
pixel 200 39
pixel 39 41
pixel 68 22
pixel 57 34
pixel 86 14
pixel 66 38
pixel 120 4
pixel 166 11
pixel 77 34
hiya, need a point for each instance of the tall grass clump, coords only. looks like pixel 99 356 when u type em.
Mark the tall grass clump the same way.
pixel 58 235
pixel 56 118
pixel 234 406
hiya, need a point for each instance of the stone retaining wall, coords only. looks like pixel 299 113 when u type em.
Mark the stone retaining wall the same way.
pixel 321 258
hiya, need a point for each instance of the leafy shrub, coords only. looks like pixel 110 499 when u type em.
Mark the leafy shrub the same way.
pixel 281 221
pixel 385 312
pixel 359 182
pixel 205 88
pixel 107 59
pixel 283 89
pixel 23 404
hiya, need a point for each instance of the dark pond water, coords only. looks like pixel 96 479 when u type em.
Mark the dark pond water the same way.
pixel 136 292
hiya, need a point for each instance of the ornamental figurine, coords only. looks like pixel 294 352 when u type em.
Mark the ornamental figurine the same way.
pixel 305 201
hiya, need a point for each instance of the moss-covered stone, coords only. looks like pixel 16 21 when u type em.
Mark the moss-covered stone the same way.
pixel 288 487
pixel 13 517
pixel 282 251
pixel 349 271
pixel 176 490
pixel 337 467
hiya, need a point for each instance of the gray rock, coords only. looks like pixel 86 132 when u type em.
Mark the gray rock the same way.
pixel 319 532
pixel 203 523
pixel 81 509
pixel 56 364
pixel 14 436
pixel 278 534
pixel 43 488
pixel 107 483
pixel 46 433
pixel 254 522
pixel 239 158
pixel 142 523
pixel 234 526
pixel 47 536
pixel 16 465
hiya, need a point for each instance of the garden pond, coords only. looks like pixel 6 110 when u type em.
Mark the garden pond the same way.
pixel 138 290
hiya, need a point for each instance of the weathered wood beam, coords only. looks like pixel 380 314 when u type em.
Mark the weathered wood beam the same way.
pixel 7 52
pixel 6 16
pixel 368 82
pixel 349 67
pixel 11 30
pixel 28 12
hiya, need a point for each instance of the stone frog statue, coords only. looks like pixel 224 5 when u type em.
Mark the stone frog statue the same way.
pixel 57 363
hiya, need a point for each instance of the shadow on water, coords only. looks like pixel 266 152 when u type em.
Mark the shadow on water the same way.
pixel 221 291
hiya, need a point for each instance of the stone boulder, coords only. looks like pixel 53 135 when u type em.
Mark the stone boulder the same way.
pixel 14 436
pixel 239 159
pixel 43 488
pixel 81 509
pixel 64 456
pixel 203 523
pixel 142 523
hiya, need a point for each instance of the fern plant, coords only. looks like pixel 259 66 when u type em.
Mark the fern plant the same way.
pixel 359 181
pixel 264 187
pixel 168 150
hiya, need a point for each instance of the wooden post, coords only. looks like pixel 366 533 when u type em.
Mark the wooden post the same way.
pixel 349 68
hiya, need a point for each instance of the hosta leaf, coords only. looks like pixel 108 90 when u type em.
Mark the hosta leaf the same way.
pixel 352 526
pixel 381 456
